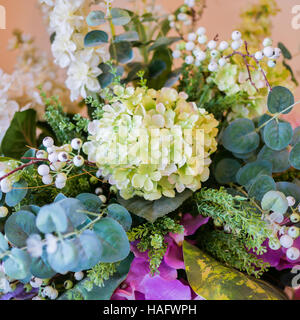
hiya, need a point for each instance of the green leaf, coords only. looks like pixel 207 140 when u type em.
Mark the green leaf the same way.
pixel 260 186
pixel 120 214
pixel 296 136
pixel 95 38
pixel 17 266
pixel 120 17
pixel 240 136
pixel 19 226
pixel 156 68
pixel 91 202
pixel 106 291
pixel 65 258
pixel 252 170
pixel 163 41
pixel 127 36
pixel 15 196
pixel 114 240
pixel 52 218
pixel 22 132
pixel 152 210
pixel 295 156
pixel 289 189
pixel 215 281
pixel 107 77
pixel 40 267
pixel 275 201
pixel 28 154
pixel 121 51
pixel 59 197
pixel 279 159
pixel 90 250
pixel 291 72
pixel 279 99
pixel 172 78
pixel 285 52
pixel 226 170
pixel 278 135
pixel 95 18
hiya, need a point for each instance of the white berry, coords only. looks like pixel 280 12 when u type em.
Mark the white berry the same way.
pixel 212 44
pixel 274 244
pixel 102 198
pixel 200 55
pixel 268 52
pixel 213 67
pixel 78 275
pixel 295 217
pixel 214 53
pixel 76 143
pixel 67 148
pixel 236 44
pixel 201 31
pixel 222 62
pixel 236 35
pixel 293 254
pixel 202 39
pixel 267 42
pixel 78 161
pixel 189 60
pixel 47 179
pixel 48 142
pixel 63 156
pixel 3 212
pixel 176 54
pixel 223 45
pixel 277 217
pixel 294 232
pixel 271 64
pixel 190 46
pixel 53 157
pixel 43 170
pixel 98 191
pixel 291 201
pixel 5 186
pixel 61 177
pixel 286 241
pixel 42 154
pixel 259 55
pixel 60 185
pixel 192 36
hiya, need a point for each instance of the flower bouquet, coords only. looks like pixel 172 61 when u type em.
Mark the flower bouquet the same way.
pixel 148 161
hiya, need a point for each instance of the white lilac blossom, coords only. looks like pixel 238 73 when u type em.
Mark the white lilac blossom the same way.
pixel 67 21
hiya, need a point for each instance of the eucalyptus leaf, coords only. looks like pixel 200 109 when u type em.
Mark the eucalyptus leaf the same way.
pixel 152 210
pixel 3 243
pixel 172 78
pixel 17 266
pixel 296 136
pixel 285 52
pixel 40 267
pixel 289 189
pixel 295 156
pixel 278 135
pixel 279 159
pixel 114 240
pixel 95 38
pixel 95 18
pixel 275 201
pixel 120 17
pixel 279 99
pixel 121 51
pixel 127 36
pixel 91 202
pixel 156 68
pixel 252 170
pixel 240 136
pixel 120 214
pixel 17 194
pixel 226 170
pixel 260 186
pixel 162 42
pixel 19 226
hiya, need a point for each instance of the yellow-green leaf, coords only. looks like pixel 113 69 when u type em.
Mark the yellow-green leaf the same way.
pixel 214 281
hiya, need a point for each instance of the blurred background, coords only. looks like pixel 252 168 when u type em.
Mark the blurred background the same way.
pixel 220 16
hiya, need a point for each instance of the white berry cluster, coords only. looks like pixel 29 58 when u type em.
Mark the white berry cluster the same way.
pixel 182 17
pixel 62 160
pixel 6 184
pixel 286 235
pixel 198 48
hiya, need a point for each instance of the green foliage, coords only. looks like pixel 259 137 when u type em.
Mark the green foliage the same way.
pixel 236 213
pixel 95 38
pixel 278 135
pixel 21 133
pixel 228 248
pixel 275 201
pixel 279 99
pixel 119 17
pixel 17 194
pixel 151 239
pixel 120 214
pixel 101 272
pixel 95 18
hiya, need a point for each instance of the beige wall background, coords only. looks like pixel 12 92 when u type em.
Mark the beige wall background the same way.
pixel 220 16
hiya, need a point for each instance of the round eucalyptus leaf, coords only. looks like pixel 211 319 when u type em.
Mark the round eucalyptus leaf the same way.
pixel 3 243
pixel 296 136
pixel 289 189
pixel 65 258
pixel 17 194
pixel 59 197
pixel 279 159
pixel 278 135
pixel 260 186
pixel 89 249
pixel 163 42
pixel 121 51
pixel 226 170
pixel 240 136
pixel 295 156
pixel 275 201
pixel 95 38
pixel 156 68
pixel 40 267
pixel 19 226
pixel 127 36
pixel 120 214
pixel 52 218
pixel 17 266
pixel 91 202
pixel 95 18
pixel 114 240
pixel 31 208
pixel 252 170
pixel 245 156
pixel 120 17
pixel 279 99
